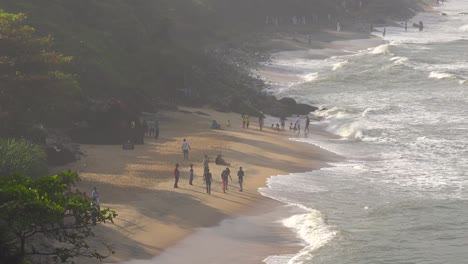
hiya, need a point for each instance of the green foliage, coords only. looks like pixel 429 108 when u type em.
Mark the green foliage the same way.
pixel 32 83
pixel 18 156
pixel 31 208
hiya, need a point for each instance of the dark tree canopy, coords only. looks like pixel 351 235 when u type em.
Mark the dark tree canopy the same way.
pixel 33 87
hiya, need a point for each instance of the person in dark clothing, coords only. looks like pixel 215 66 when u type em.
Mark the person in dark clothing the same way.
pixel 176 176
pixel 306 129
pixel 208 179
pixel 240 175
pixel 228 175
pixel 191 175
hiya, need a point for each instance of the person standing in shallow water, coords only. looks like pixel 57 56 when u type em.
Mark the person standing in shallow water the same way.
pixel 240 175
pixel 176 176
pixel 208 178
pixel 307 124
pixel 191 175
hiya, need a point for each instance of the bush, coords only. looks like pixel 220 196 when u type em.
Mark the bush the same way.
pixel 18 156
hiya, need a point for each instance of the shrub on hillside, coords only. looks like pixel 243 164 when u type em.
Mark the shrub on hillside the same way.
pixel 18 156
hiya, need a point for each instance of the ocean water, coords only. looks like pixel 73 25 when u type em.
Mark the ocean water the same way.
pixel 400 115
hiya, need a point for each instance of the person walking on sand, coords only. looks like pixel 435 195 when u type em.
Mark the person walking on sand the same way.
pixel 224 180
pixel 206 164
pixel 244 120
pixel 208 178
pixel 191 175
pixel 228 175
pixel 185 148
pixel 240 177
pixel 247 121
pixel 306 129
pixel 176 175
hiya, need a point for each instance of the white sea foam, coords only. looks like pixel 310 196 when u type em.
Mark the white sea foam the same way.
pixel 440 75
pixel 310 77
pixel 313 229
pixel 382 49
pixel 339 65
pixel 464 28
pixel 399 60
pixel 463 82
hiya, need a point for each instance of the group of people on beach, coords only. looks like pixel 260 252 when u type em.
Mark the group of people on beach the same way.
pixel 95 199
pixel 296 126
pixel 207 176
pixel 226 173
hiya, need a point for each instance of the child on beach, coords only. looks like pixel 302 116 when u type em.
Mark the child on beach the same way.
pixel 191 175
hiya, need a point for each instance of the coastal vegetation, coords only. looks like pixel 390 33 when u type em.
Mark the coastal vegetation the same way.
pixel 40 218
pixel 150 55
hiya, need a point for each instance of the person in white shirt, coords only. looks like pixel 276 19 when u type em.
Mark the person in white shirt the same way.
pixel 96 197
pixel 298 124
pixel 185 148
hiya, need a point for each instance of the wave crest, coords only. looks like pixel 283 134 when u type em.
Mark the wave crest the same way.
pixel 313 229
pixel 440 75
pixel 382 49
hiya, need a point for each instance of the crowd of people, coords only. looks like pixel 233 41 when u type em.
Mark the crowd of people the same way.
pixel 226 173
pixel 207 175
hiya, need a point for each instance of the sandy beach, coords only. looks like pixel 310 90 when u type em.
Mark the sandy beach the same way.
pixel 138 184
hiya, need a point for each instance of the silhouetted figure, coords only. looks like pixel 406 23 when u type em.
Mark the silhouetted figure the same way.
pixel 208 178
pixel 240 177
pixel 191 175
pixel 176 176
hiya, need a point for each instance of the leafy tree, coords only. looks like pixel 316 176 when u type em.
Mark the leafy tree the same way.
pixel 18 156
pixel 44 209
pixel 33 87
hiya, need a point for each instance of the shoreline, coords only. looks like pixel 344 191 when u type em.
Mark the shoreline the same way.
pixel 148 224
pixel 138 184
